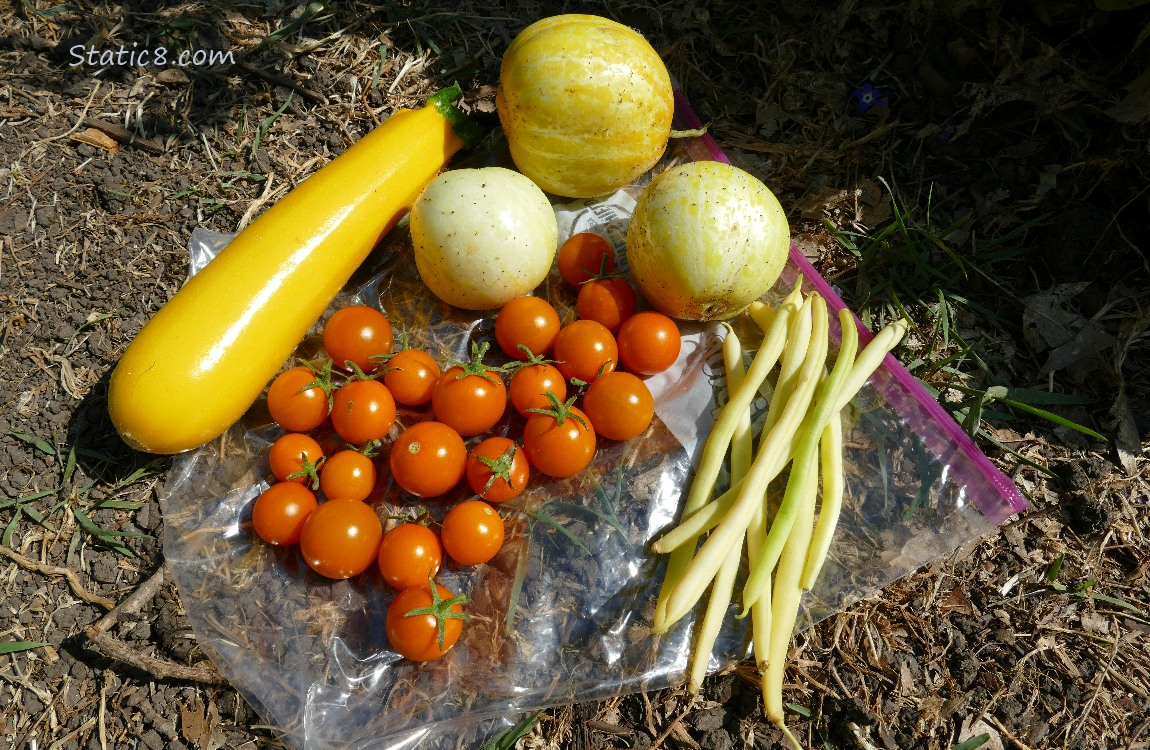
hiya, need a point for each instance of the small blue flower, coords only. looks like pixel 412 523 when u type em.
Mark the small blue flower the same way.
pixel 868 96
pixel 947 131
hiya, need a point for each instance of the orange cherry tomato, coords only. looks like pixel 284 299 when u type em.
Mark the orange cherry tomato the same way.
pixel 347 475
pixel 526 321
pixel 359 334
pixel 363 411
pixel 298 399
pixel 609 300
pixel 340 538
pixel 280 511
pixel 472 532
pixel 497 469
pixel 295 457
pixel 581 257
pixel 410 375
pixel 409 555
pixel 584 349
pixel 422 626
pixel 559 445
pixel 471 404
pixel 428 459
pixel 529 385
pixel 649 343
pixel 619 406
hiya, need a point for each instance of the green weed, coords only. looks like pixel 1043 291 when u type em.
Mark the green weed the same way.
pixel 506 740
pixel 12 647
pixel 977 740
pixel 1084 589
pixel 73 495
pixel 908 268
pixel 555 515
pixel 266 124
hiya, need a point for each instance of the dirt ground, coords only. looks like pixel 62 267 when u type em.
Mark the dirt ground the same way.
pixel 998 153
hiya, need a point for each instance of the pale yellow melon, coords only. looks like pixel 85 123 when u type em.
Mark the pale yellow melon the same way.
pixel 585 104
pixel 706 240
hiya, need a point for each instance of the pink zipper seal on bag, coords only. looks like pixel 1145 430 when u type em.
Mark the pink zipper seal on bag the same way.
pixel 901 390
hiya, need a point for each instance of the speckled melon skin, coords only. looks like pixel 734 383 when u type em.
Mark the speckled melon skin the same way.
pixel 706 240
pixel 586 104
pixel 482 237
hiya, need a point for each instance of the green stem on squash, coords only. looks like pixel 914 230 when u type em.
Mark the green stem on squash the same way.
pixel 467 129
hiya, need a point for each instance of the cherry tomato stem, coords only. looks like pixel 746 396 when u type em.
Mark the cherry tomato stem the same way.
pixel 559 442
pixel 470 396
pixel 497 469
pixel 423 623
pixel 299 399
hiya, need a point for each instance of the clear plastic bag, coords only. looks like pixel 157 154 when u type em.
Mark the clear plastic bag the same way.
pixel 563 613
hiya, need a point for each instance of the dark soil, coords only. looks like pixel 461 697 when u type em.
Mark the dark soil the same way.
pixel 1017 133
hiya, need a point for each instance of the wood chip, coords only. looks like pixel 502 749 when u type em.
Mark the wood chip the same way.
pixel 97 138
pixel 172 77
pixel 606 728
pixel 193 723
pixel 7 113
pixel 122 135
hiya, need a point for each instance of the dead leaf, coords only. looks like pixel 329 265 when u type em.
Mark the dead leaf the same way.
pixel 1135 106
pixel 1046 321
pixel 1047 526
pixel 873 208
pixel 1095 622
pixel 956 600
pixel 1005 434
pixel 906 683
pixel 1068 663
pixel 1047 181
pixel 193 723
pixel 237 18
pixel 97 138
pixel 1050 323
pixel 216 738
pixel 1089 341
pixel 681 736
pixel 201 728
pixel 1127 438
pixel 1127 441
